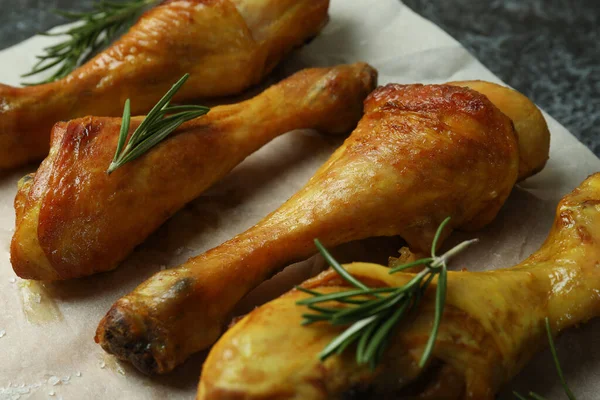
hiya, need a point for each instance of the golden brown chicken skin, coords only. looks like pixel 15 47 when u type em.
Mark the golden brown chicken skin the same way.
pixel 73 219
pixel 419 154
pixel 534 138
pixel 225 45
pixel 492 325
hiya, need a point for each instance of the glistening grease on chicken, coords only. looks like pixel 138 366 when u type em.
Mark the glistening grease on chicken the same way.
pixel 225 45
pixel 419 154
pixel 485 336
pixel 74 220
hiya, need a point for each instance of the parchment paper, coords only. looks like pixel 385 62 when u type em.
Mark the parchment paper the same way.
pixel 51 354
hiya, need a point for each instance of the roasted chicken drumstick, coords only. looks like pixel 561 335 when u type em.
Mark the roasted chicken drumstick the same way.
pixel 420 154
pixel 225 45
pixel 485 338
pixel 75 220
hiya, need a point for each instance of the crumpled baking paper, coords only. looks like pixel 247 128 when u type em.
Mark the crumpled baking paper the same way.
pixel 46 345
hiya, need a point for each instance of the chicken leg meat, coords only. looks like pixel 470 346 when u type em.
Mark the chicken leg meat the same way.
pixel 73 219
pixel 225 45
pixel 419 154
pixel 493 323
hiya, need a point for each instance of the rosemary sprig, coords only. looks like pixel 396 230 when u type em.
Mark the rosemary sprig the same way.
pixel 372 313
pixel 561 376
pixel 96 30
pixel 158 124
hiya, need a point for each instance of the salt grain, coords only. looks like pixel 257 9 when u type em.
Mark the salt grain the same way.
pixel 12 280
pixel 65 379
pixel 53 380
pixel 52 393
pixel 78 373
pixel 102 364
pixel 2 333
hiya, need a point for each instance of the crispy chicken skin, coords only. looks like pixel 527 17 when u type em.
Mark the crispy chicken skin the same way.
pixel 75 220
pixel 485 336
pixel 226 46
pixel 419 154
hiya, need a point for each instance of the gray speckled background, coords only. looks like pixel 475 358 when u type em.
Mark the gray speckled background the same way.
pixel 547 49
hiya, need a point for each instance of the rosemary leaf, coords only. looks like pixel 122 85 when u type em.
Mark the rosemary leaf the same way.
pixel 363 342
pixel 305 290
pixel 326 310
pixel 335 265
pixel 384 331
pixel 338 296
pixel 440 300
pixel 348 342
pixel 347 334
pixel 425 284
pixel 563 382
pixel 438 233
pixel 314 317
pixel 375 307
pixel 124 128
pixel 561 376
pixel 93 31
pixel 160 122
pixel 372 314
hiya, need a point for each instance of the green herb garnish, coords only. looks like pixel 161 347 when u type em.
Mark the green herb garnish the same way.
pixel 96 30
pixel 561 376
pixel 373 313
pixel 158 124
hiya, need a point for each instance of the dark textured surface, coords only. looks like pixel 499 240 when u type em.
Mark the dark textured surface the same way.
pixel 547 49
pixel 21 19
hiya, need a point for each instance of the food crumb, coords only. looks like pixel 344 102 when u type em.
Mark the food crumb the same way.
pixel 78 373
pixel 102 364
pixel 2 333
pixel 51 393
